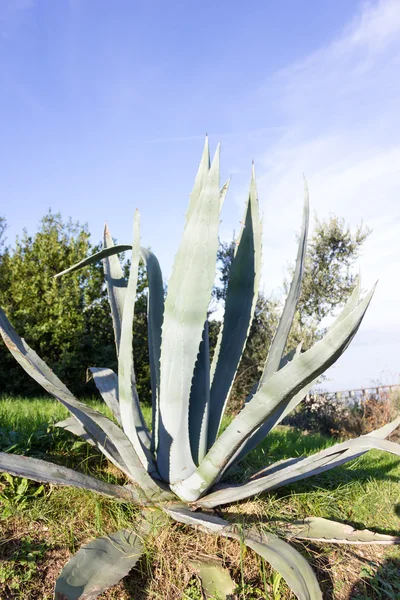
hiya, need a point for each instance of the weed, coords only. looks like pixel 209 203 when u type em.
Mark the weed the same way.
pixel 21 566
pixel 380 581
pixel 15 495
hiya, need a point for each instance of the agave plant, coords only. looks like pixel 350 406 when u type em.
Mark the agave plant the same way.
pixel 180 467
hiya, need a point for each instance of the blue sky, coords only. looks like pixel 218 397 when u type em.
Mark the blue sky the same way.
pixel 104 107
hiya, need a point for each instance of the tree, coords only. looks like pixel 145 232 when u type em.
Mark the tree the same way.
pixel 50 313
pixel 327 283
pixel 3 227
pixel 66 320
pixel 3 250
pixel 328 277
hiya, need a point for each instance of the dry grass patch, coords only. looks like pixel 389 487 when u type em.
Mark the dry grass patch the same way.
pixel 32 553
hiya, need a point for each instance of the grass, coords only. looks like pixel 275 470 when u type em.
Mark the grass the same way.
pixel 40 526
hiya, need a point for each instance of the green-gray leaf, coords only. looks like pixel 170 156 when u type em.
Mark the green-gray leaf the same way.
pixel 186 304
pixel 132 418
pixel 155 316
pixel 74 426
pixel 111 439
pixel 199 181
pixel 43 471
pixel 317 529
pixel 98 566
pixel 96 258
pixel 199 403
pixel 240 303
pixel 215 580
pixel 115 282
pixel 278 390
pixel 295 469
pixel 286 320
pixel 106 382
pixel 286 407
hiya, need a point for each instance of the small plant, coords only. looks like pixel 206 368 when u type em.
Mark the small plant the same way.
pixel 179 468
pixel 331 416
pixel 14 497
pixel 382 581
pixel 24 561
pixel 320 413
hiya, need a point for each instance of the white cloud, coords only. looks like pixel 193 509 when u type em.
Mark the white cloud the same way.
pixel 377 25
pixel 340 107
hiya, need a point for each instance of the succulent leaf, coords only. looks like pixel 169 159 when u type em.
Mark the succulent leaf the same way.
pixel 116 289
pixel 295 469
pixel 90 260
pixel 116 285
pixel 31 355
pixel 45 472
pixel 199 402
pixel 279 389
pixel 106 382
pixel 132 418
pixel 98 566
pixel 351 304
pixel 285 408
pixel 286 320
pixel 155 316
pixel 215 580
pixel 241 298
pixel 200 181
pixel 317 529
pixel 74 426
pixel 384 431
pixel 223 193
pixel 114 444
pixel 294 353
pixel 186 304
